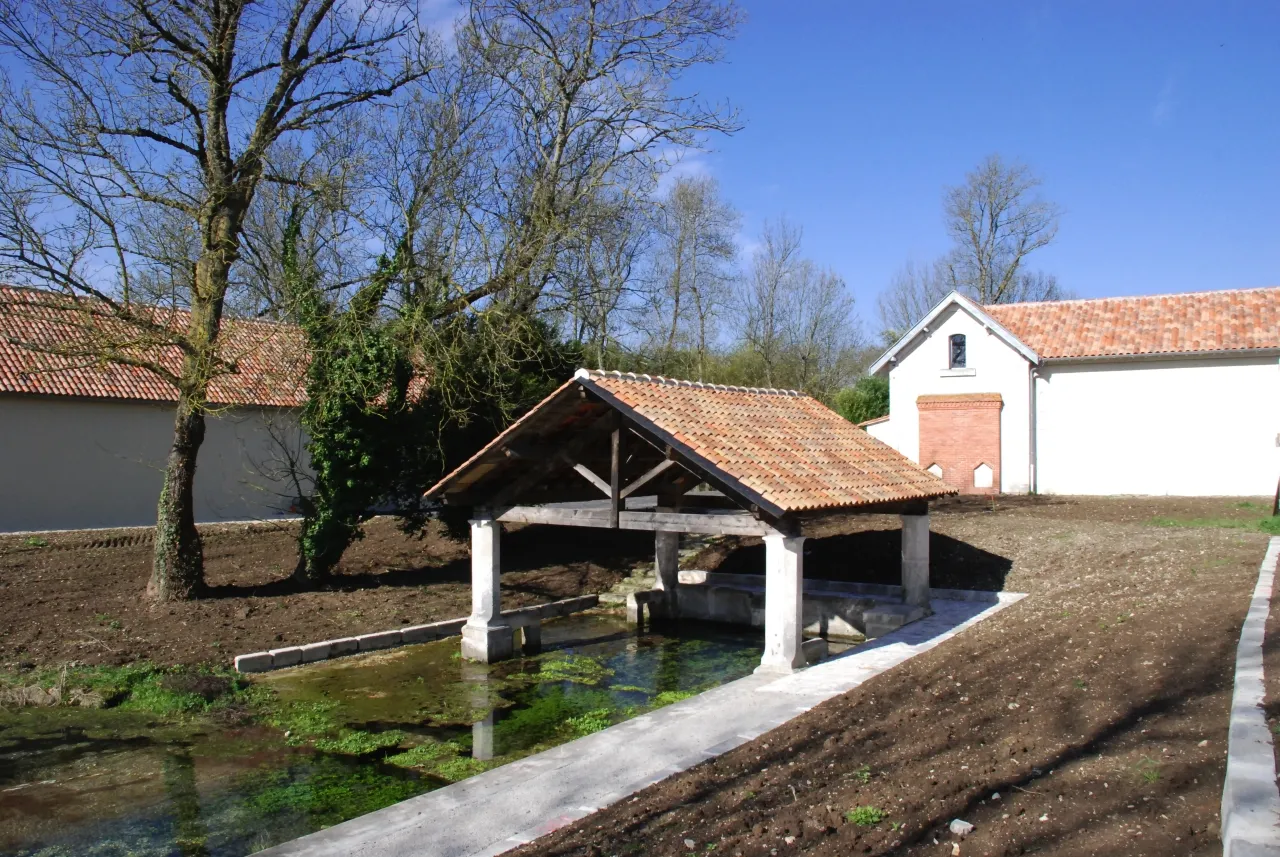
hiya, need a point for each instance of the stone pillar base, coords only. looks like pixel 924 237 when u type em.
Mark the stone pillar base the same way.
pixel 487 644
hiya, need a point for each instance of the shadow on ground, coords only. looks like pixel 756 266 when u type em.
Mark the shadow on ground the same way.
pixel 875 556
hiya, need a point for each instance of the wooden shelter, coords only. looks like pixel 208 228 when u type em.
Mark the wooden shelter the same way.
pixel 636 452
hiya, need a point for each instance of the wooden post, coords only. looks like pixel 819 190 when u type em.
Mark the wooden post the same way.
pixel 615 475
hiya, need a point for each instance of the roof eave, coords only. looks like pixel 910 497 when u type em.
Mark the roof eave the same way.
pixel 1152 356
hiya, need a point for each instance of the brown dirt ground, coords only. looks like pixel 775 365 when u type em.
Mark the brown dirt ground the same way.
pixel 80 597
pixel 1096 708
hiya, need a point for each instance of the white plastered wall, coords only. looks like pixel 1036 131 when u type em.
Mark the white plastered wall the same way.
pixel 996 368
pixel 1190 427
pixel 78 463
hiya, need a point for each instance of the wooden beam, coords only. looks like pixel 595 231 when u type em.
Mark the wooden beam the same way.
pixel 588 474
pixel 715 523
pixel 542 469
pixel 645 477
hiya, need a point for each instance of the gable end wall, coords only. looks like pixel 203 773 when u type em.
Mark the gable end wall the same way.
pixel 921 370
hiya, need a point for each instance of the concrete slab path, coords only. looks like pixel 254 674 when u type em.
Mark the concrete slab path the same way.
pixel 516 803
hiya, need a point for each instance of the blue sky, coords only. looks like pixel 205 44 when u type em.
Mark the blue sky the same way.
pixel 1156 127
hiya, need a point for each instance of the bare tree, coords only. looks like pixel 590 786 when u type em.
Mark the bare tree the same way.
pixel 693 271
pixel 579 103
pixel 763 295
pixel 914 290
pixel 798 320
pixel 996 220
pixel 134 138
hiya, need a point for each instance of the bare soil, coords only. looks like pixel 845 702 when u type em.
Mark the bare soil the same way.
pixel 1089 718
pixel 79 597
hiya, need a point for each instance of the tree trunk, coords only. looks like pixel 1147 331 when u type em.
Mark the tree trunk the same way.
pixel 177 573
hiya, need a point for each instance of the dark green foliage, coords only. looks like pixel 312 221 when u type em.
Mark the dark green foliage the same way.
pixel 865 400
pixel 397 396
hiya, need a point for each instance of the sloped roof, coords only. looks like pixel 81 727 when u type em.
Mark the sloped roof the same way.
pixel 1236 320
pixel 1190 323
pixel 270 358
pixel 781 449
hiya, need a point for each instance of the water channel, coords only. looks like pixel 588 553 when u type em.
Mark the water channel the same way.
pixel 334 740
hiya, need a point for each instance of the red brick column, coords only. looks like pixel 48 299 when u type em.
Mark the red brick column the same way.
pixel 958 433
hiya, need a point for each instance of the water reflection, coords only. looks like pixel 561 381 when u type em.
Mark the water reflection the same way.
pixel 477 678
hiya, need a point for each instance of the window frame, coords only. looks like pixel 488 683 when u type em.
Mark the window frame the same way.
pixel 952 341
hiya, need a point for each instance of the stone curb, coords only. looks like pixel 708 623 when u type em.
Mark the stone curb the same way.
pixel 1250 798
pixel 258 662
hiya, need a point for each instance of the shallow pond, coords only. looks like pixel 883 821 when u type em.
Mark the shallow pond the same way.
pixel 335 740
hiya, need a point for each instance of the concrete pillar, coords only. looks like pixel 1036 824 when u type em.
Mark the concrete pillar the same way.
pixel 783 604
pixel 667 568
pixel 485 637
pixel 915 560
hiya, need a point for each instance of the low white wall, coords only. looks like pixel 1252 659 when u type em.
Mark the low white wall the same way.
pixel 1191 427
pixel 81 463
pixel 993 367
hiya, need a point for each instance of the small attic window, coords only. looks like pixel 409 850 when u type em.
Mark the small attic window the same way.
pixel 957 351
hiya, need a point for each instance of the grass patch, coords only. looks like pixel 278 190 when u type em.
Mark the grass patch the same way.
pixel 862 774
pixel 865 816
pixel 356 742
pixel 303 720
pixel 143 686
pixel 1269 525
pixel 35 542
pixel 592 721
pixel 424 755
pixel 1149 770
pixel 669 697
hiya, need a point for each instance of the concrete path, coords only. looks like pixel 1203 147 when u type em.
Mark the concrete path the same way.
pixel 1250 798
pixel 516 803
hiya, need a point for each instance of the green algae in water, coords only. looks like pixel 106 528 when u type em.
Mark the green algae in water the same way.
pixel 364 732
pixel 575 668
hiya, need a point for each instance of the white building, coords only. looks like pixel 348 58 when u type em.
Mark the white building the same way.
pixel 84 445
pixel 1168 394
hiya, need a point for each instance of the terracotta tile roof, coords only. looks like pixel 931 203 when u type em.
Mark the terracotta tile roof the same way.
pixel 270 358
pixel 1235 320
pixel 785 446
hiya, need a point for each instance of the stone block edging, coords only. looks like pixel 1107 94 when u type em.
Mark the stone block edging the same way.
pixel 1250 797
pixel 289 656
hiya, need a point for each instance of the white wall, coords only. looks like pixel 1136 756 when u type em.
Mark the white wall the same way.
pixel 1192 427
pixel 76 463
pixel 922 370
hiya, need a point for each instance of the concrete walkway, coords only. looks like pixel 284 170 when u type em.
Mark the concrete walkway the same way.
pixel 516 803
pixel 1250 798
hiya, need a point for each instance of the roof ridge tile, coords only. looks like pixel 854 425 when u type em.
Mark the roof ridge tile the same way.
pixel 681 382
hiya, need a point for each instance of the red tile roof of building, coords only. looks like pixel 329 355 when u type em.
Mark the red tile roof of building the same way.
pixel 783 447
pixel 1236 320
pixel 269 358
